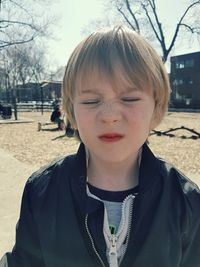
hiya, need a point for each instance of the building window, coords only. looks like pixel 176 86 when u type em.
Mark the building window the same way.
pixel 188 63
pixel 186 98
pixel 178 82
pixel 186 81
pixel 180 65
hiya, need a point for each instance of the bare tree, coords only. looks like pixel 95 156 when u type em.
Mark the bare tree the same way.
pixel 143 16
pixel 22 21
pixel 57 74
pixel 21 65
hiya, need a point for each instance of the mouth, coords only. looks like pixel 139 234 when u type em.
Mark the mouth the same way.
pixel 110 137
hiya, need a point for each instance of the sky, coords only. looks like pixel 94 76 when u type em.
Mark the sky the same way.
pixel 76 15
pixel 73 15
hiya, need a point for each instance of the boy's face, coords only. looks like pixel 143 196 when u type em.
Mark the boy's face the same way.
pixel 113 124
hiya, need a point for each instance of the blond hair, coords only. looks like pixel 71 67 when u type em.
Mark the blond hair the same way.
pixel 125 58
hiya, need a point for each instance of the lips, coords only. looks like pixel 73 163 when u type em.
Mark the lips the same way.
pixel 110 137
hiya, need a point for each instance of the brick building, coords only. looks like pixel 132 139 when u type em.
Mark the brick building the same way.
pixel 51 90
pixel 48 91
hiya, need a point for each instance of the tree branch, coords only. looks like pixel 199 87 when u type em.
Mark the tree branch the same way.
pixel 151 22
pixel 191 29
pixel 19 22
pixel 22 8
pixel 133 15
pixel 125 17
pixel 32 26
pixel 159 35
pixel 6 44
pixel 180 23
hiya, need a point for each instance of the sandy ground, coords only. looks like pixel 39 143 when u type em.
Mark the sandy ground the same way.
pixel 35 148
pixel 23 149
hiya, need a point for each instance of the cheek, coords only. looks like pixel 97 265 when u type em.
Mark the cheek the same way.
pixel 82 118
pixel 141 118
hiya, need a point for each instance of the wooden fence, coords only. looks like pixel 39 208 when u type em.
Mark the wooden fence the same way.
pixel 34 106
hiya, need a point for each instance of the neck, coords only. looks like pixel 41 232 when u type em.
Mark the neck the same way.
pixel 113 176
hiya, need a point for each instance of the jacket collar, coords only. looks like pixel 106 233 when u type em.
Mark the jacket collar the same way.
pixel 149 169
pixel 79 164
pixel 78 177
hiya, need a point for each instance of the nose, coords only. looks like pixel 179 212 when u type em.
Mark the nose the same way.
pixel 110 112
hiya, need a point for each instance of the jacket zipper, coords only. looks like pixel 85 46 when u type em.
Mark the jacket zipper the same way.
pixel 92 242
pixel 129 226
pixel 129 229
pixel 113 238
pixel 113 251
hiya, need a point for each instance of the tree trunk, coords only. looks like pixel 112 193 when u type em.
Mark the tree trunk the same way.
pixel 14 101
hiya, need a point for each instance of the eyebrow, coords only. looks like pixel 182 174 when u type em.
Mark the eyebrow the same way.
pixel 129 90
pixel 90 91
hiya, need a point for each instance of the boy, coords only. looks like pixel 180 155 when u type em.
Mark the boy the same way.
pixel 113 203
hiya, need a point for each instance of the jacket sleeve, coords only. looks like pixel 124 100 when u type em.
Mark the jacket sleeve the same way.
pixel 26 252
pixel 191 242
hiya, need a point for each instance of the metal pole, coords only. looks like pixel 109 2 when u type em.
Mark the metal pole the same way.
pixel 42 100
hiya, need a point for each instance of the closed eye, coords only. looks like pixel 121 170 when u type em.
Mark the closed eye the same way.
pixel 130 99
pixel 90 102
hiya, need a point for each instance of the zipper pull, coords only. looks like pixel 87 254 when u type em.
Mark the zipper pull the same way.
pixel 113 251
pixel 113 245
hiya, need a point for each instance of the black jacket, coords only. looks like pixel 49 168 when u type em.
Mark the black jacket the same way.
pixel 51 231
